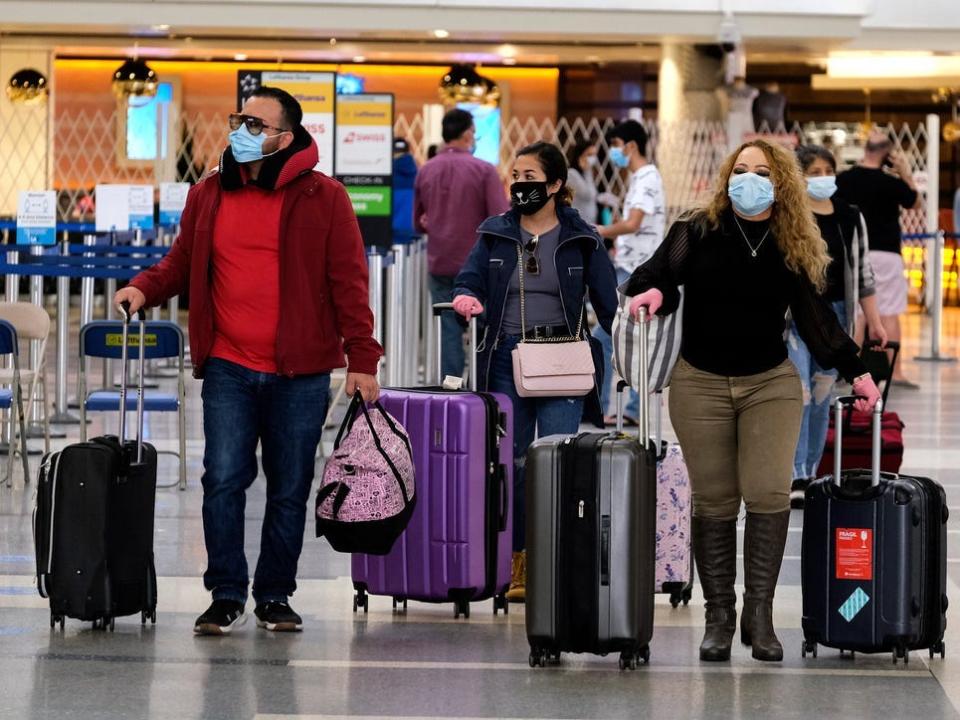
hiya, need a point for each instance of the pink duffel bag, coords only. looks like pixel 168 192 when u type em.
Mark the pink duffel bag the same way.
pixel 367 493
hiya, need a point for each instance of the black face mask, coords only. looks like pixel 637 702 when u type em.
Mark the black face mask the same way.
pixel 529 197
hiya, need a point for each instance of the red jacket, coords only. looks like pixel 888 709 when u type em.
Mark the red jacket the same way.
pixel 324 296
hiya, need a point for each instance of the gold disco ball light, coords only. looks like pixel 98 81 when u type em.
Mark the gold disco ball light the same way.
pixel 27 87
pixel 463 84
pixel 951 131
pixel 134 79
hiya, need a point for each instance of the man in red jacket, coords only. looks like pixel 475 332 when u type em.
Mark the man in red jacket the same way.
pixel 271 253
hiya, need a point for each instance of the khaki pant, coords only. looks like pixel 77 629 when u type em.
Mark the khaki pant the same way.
pixel 738 435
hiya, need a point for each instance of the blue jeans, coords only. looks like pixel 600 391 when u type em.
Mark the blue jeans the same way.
pixel 242 407
pixel 451 331
pixel 818 385
pixel 606 341
pixel 532 417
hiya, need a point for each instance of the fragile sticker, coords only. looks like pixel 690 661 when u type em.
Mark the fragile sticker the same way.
pixel 854 554
pixel 854 604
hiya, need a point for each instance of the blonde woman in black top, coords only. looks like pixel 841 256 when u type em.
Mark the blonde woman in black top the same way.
pixel 735 399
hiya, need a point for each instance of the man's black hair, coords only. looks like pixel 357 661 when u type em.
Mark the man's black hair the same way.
pixel 630 131
pixel 292 112
pixel 455 124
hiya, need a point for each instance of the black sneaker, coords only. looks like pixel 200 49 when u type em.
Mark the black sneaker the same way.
pixel 220 618
pixel 278 617
pixel 798 491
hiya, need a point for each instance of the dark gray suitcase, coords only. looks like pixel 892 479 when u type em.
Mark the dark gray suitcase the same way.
pixel 591 542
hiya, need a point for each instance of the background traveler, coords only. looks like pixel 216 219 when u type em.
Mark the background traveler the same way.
pixel 880 186
pixel 455 192
pixel 842 228
pixel 638 234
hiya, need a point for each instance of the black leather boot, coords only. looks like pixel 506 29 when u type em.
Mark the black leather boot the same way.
pixel 715 554
pixel 763 545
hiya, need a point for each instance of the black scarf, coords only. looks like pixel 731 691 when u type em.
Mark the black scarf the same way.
pixel 232 179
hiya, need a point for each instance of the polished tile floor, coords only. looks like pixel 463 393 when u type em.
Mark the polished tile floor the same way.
pixel 424 664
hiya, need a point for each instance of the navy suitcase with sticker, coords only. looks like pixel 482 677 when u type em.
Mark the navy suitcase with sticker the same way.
pixel 874 565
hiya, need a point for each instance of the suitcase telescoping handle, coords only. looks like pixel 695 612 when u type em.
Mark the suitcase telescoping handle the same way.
pixel 438 310
pixel 643 422
pixel 124 357
pixel 838 435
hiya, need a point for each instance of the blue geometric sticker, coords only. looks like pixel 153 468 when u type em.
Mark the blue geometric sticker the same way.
pixel 854 604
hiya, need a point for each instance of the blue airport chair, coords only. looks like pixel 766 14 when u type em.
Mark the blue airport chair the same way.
pixel 163 339
pixel 12 399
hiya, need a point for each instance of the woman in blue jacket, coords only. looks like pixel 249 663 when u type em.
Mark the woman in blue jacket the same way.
pixel 564 261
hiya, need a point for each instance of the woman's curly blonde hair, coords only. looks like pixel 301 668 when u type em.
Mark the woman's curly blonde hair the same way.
pixel 792 221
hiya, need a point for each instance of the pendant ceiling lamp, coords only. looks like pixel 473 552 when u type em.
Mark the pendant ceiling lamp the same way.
pixel 463 84
pixel 27 87
pixel 134 79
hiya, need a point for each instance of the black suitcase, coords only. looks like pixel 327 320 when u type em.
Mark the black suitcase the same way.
pixel 591 543
pixel 874 559
pixel 93 523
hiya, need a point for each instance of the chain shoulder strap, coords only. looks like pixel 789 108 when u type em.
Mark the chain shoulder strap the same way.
pixel 523 311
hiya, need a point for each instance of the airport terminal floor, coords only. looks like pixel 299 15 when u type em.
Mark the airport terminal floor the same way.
pixel 423 663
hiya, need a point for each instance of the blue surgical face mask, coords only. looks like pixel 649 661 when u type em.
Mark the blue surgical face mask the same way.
pixel 822 187
pixel 751 194
pixel 248 148
pixel 619 158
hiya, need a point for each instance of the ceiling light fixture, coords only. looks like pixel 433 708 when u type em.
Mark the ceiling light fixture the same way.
pixel 134 78
pixel 359 58
pixel 509 61
pixel 462 83
pixel 27 86
pixel 441 34
pixel 240 57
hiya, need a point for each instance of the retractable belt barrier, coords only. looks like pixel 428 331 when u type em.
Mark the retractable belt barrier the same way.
pixel 106 257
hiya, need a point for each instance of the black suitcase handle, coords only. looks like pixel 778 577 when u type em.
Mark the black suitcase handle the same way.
pixel 838 437
pixel 124 357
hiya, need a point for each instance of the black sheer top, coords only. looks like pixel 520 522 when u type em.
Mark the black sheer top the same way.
pixel 735 301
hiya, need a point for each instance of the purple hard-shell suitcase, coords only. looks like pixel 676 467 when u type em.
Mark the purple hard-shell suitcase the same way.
pixel 458 545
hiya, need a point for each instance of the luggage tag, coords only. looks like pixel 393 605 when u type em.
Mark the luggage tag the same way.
pixel 451 382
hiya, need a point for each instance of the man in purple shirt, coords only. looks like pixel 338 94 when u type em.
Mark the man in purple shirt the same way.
pixel 454 193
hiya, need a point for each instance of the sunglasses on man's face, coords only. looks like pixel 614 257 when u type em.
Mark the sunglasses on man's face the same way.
pixel 254 124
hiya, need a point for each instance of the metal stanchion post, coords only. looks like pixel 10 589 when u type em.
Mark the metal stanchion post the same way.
pixel 13 280
pixel 375 264
pixel 35 411
pixel 430 339
pixel 62 415
pixel 109 290
pixel 936 300
pixel 86 301
pixel 394 311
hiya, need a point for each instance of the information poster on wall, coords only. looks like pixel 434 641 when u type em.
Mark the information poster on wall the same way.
pixel 37 217
pixel 141 207
pixel 365 161
pixel 315 91
pixel 173 199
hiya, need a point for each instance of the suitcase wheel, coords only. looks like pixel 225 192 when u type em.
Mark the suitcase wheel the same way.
pixel 361 600
pixel 399 604
pixel 809 647
pixel 682 596
pixel 901 652
pixel 852 655
pixel 54 619
pixel 461 607
pixel 630 660
pixel 940 649
pixel 540 657
pixel 500 603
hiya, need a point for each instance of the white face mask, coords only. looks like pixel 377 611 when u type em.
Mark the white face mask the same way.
pixel 592 161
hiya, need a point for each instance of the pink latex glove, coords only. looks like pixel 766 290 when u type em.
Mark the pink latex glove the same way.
pixel 651 299
pixel 866 387
pixel 467 305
